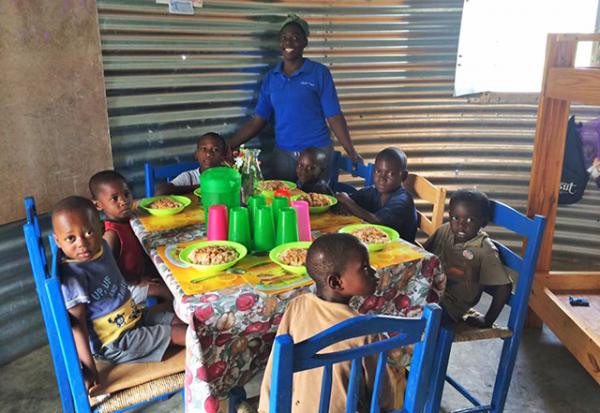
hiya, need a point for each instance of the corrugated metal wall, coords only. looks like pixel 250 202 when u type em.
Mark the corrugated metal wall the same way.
pixel 170 78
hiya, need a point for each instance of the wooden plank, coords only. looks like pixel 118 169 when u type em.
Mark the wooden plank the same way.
pixel 549 148
pixel 578 37
pixel 582 342
pixel 586 316
pixel 575 84
pixel 569 280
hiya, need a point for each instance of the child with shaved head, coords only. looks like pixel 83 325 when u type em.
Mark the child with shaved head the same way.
pixel 386 202
pixel 339 264
pixel 105 320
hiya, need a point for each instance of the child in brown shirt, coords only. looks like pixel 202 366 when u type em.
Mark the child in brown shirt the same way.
pixel 470 259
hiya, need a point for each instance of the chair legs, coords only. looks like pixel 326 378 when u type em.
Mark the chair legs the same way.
pixel 438 377
pixel 504 374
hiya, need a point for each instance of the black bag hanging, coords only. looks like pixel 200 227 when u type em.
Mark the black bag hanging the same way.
pixel 574 176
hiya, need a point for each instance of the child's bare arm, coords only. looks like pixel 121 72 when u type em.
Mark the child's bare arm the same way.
pixel 80 334
pixel 167 188
pixel 357 210
pixel 113 241
pixel 500 294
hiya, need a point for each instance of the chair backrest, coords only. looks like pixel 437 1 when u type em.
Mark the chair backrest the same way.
pixel 166 172
pixel 421 187
pixel 60 337
pixel 341 162
pixel 533 230
pixel 289 358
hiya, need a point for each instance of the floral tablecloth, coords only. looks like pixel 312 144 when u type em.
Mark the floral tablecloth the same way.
pixel 232 329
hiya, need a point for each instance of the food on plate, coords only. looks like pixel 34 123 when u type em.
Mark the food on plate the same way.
pixel 213 255
pixel 294 256
pixel 315 200
pixel 272 185
pixel 164 203
pixel 371 235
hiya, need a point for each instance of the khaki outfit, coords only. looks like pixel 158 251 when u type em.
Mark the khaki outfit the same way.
pixel 304 317
pixel 480 261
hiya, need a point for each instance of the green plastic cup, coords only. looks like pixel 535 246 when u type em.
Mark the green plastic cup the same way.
pixel 264 230
pixel 239 226
pixel 253 203
pixel 287 226
pixel 279 202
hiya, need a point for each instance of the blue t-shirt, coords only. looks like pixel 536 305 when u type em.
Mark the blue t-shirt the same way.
pixel 398 212
pixel 299 105
pixel 98 284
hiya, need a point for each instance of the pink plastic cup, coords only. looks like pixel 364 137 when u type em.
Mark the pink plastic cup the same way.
pixel 217 223
pixel 303 214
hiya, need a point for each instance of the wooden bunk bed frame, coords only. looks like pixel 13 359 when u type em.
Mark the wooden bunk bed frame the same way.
pixel 577 327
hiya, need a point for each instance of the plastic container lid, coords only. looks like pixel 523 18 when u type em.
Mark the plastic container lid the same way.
pixel 220 180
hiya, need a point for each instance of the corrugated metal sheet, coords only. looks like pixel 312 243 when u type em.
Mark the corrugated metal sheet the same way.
pixel 170 78
pixel 21 326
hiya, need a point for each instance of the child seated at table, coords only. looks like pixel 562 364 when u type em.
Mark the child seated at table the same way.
pixel 111 195
pixel 386 202
pixel 339 265
pixel 470 259
pixel 106 322
pixel 311 168
pixel 210 152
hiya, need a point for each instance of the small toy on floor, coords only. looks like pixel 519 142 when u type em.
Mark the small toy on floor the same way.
pixel 578 301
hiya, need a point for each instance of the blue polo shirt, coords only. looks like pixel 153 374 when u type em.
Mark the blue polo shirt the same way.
pixel 398 212
pixel 299 105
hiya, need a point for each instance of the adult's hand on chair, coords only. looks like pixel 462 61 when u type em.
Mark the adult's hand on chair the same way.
pixel 356 158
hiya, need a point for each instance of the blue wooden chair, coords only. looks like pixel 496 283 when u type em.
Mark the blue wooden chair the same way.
pixel 342 162
pixel 69 377
pixel 289 358
pixel 166 172
pixel 533 230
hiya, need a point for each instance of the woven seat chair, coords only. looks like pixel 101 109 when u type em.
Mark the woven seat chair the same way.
pixel 532 229
pixel 125 386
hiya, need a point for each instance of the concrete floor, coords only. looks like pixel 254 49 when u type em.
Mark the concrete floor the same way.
pixel 546 379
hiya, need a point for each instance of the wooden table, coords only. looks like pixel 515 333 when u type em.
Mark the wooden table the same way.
pixel 233 319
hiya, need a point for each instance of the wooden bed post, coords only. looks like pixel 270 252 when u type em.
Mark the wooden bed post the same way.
pixel 548 152
pixel 576 327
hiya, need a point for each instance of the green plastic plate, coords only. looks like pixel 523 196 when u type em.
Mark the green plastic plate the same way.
pixel 320 209
pixel 163 212
pixel 269 194
pixel 274 255
pixel 213 269
pixel 392 233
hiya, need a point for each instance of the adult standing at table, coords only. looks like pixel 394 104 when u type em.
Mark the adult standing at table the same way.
pixel 299 97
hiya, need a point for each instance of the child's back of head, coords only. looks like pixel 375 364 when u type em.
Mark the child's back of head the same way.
pixel 339 264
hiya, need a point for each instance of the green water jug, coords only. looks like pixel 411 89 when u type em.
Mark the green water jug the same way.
pixel 220 185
